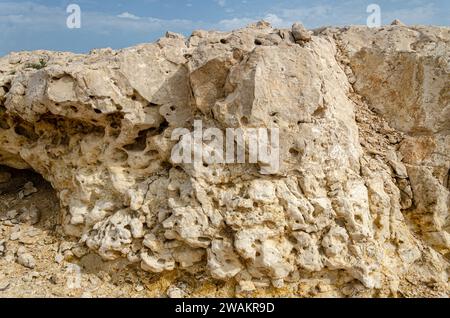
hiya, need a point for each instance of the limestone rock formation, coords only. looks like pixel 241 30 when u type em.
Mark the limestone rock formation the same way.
pixel 360 202
pixel 300 34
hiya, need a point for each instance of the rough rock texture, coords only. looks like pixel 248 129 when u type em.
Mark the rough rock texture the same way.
pixel 359 206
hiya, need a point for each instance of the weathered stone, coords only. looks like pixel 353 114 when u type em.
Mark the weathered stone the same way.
pixel 28 189
pixel 397 22
pixel 361 195
pixel 31 215
pixel 4 285
pixel 25 259
pixel 300 33
pixel 175 292
pixel 222 260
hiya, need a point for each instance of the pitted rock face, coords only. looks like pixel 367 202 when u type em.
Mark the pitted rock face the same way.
pixel 362 191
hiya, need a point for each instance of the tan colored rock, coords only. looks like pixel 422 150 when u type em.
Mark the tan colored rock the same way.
pixel 361 195
pixel 300 33
pixel 25 259
pixel 397 22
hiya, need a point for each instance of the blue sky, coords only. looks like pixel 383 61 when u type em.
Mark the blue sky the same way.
pixel 41 24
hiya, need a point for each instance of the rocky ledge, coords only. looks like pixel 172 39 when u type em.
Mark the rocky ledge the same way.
pixel 360 202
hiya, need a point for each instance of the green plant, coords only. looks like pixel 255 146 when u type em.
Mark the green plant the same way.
pixel 42 63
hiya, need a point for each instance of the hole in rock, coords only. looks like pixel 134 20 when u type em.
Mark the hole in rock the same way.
pixel 165 165
pixel 294 152
pixel 258 42
pixel 27 198
pixel 319 112
pixel 6 87
pixel 244 120
pixel 3 122
pixel 358 219
pixel 151 153
pixel 119 155
pixel 204 239
pixel 26 131
pixel 140 142
pixel 163 126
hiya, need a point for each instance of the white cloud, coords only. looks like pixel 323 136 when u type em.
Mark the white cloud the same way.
pixel 221 3
pixel 313 16
pixel 127 15
pixel 25 14
pixel 419 15
pixel 235 23
pixel 275 20
pixel 354 12
pixel 29 16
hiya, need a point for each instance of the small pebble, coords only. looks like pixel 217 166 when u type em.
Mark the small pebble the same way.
pixel 27 190
pixel 11 214
pixel 59 258
pixel 278 283
pixel 79 251
pixel 139 288
pixel 4 285
pixel 27 240
pixel 86 295
pixel 25 259
pixel 246 287
pixel 65 246
pixel 175 292
pixel 9 258
pixel 15 235
pixel 30 216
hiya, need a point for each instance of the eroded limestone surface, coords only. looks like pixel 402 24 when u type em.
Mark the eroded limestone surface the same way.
pixel 360 202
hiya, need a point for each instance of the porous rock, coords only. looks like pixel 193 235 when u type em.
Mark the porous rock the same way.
pixel 362 189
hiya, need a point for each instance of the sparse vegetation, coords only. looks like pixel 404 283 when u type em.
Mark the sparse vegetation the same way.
pixel 42 63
